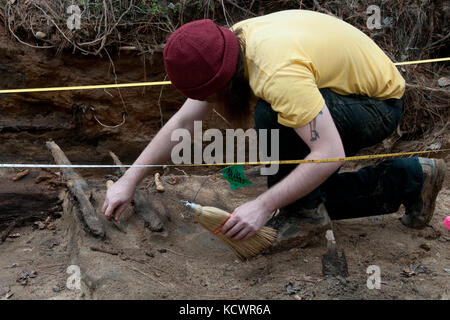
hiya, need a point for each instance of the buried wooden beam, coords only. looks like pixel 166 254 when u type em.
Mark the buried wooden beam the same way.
pixel 80 191
pixel 142 207
pixel 25 201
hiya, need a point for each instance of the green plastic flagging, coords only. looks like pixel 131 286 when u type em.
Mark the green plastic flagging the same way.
pixel 235 176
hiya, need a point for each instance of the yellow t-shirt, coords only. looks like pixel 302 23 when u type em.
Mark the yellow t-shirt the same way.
pixel 291 54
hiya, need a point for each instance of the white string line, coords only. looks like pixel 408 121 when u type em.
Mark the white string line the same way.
pixel 269 162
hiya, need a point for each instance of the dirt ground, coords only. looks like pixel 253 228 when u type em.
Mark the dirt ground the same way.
pixel 186 262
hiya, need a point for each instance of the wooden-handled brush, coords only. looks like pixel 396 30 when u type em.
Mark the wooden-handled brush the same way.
pixel 213 219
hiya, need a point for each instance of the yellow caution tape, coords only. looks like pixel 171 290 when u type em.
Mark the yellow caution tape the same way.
pixel 354 158
pixel 157 83
pixel 421 61
pixel 100 86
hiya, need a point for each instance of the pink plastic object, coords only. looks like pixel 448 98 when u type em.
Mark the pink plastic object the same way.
pixel 447 222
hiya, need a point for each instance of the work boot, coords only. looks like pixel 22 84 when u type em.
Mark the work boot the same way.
pixel 419 214
pixel 299 228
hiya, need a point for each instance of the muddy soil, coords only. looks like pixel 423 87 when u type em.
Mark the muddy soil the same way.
pixel 186 262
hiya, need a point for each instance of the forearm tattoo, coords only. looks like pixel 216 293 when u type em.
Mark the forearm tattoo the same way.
pixel 312 128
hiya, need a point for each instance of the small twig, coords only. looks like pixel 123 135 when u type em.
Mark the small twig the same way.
pixel 106 126
pixel 179 254
pixel 243 9
pixel 45 266
pixel 437 134
pixel 184 172
pixel 413 86
pixel 225 14
pixel 317 4
pixel 150 184
pixel 118 89
pixel 159 103
pixel 158 269
pixel 222 117
pixel 145 73
pixel 104 250
pixel 436 42
pixel 173 182
pixel 108 93
pixel 201 186
pixel 147 275
pixel 303 279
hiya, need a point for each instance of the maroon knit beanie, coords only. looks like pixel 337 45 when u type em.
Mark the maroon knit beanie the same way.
pixel 200 58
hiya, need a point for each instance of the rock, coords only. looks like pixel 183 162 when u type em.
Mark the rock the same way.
pixel 435 146
pixel 444 82
pixel 4 290
pixel 9 295
pixel 24 275
pixel 150 254
pixel 40 225
pixel 290 289
pixel 57 289
pixel 40 35
pixel 407 273
pixel 14 235
pixel 51 226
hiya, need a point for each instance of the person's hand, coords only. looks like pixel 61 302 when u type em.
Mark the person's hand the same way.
pixel 246 220
pixel 118 198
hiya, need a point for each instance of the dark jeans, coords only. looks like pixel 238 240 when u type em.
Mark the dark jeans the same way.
pixel 362 122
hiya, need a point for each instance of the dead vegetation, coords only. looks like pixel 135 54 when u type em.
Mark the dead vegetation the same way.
pixel 410 30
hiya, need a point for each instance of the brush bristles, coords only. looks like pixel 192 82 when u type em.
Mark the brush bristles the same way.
pixel 213 219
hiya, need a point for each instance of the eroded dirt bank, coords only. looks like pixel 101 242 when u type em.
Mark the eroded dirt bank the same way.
pixel 30 119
